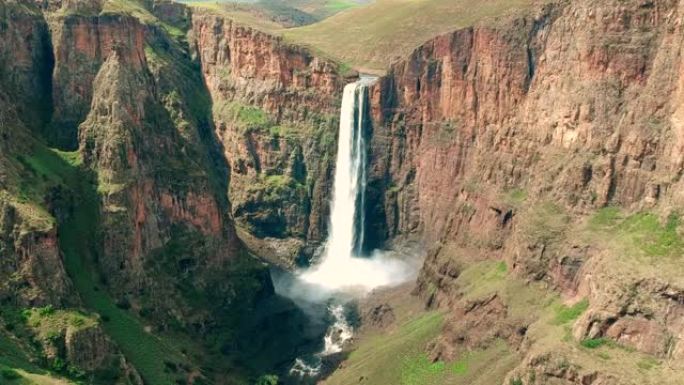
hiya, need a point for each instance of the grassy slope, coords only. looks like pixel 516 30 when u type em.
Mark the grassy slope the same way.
pixel 13 360
pixel 238 13
pixel 397 356
pixel 369 37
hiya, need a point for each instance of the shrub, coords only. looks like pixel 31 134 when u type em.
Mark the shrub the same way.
pixel 58 365
pixel 593 343
pixel 75 372
pixel 268 379
pixel 9 374
pixel 46 311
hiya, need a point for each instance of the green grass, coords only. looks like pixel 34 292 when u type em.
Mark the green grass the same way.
pixel 605 217
pixel 14 361
pixel 460 367
pixel 12 355
pixel 515 197
pixel 644 232
pixel 137 9
pixel 593 343
pixel 398 357
pixel 245 117
pixel 334 6
pixel 41 169
pixel 648 363
pixel 567 314
pixel 8 374
pixel 370 36
pixel 419 370
pixel 483 278
pixel 501 268
pixel 270 13
pixel 47 321
pixel 391 358
pixel 133 8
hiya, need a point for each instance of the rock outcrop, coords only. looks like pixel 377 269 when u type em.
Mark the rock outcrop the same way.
pixel 81 45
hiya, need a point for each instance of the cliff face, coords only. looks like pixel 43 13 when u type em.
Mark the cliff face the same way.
pixel 34 200
pixel 137 220
pixel 147 137
pixel 503 141
pixel 26 62
pixel 28 235
pixel 606 127
pixel 275 111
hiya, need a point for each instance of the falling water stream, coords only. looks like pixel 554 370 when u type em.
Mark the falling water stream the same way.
pixel 342 269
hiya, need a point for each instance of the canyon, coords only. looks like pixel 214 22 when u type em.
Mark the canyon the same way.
pixel 160 162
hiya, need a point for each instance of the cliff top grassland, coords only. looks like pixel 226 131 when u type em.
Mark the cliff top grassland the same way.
pixel 273 15
pixel 369 37
pixel 315 9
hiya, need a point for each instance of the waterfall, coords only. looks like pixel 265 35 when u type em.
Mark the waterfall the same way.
pixel 343 272
pixel 342 265
pixel 347 218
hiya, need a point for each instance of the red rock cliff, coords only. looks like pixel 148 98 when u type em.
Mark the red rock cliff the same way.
pixel 275 112
pixel 488 133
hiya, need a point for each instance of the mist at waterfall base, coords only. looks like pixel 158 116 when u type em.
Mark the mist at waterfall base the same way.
pixel 326 290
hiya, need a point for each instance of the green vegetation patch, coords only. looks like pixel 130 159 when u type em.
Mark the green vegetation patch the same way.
pixel 48 322
pixel 593 343
pixel 420 370
pixel 483 278
pixel 9 374
pixel 643 231
pixel 566 314
pixel 41 170
pixel 398 357
pixel 648 363
pixel 245 117
pixel 389 358
pixel 133 8
pixel 515 197
pixel 335 6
